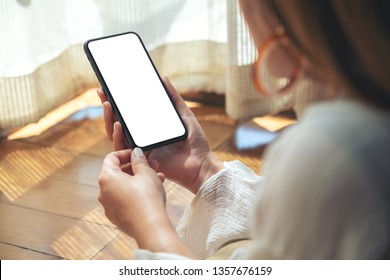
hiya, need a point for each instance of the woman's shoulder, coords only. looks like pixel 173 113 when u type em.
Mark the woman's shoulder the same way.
pixel 335 141
pixel 346 123
pixel 350 112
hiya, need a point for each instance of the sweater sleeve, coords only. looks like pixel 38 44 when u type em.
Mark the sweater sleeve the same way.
pixel 220 211
pixel 218 214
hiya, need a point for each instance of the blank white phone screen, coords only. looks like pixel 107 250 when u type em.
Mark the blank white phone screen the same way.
pixel 136 89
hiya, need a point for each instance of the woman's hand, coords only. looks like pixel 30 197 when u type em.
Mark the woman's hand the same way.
pixel 130 190
pixel 134 200
pixel 190 162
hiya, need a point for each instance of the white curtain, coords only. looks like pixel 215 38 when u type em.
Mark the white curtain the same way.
pixel 202 45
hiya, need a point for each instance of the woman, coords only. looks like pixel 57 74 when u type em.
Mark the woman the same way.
pixel 325 193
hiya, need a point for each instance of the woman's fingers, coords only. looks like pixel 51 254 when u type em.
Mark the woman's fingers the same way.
pixel 101 95
pixel 176 97
pixel 109 119
pixel 117 137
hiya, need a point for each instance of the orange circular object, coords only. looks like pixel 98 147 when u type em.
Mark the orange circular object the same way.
pixel 263 52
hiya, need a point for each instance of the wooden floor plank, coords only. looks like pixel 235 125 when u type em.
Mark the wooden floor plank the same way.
pixel 76 134
pixel 52 234
pixel 216 124
pixel 121 248
pixel 24 165
pixel 82 170
pixel 178 198
pixel 11 252
pixel 62 198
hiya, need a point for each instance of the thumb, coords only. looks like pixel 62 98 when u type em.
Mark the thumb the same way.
pixel 138 160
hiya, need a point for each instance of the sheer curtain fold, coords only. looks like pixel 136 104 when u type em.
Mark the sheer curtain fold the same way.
pixel 41 62
pixel 202 45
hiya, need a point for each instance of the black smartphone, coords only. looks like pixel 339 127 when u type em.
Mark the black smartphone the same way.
pixel 135 90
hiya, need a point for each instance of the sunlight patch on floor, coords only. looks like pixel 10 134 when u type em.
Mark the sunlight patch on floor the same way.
pixel 87 99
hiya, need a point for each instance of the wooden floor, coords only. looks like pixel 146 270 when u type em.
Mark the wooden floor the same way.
pixel 49 189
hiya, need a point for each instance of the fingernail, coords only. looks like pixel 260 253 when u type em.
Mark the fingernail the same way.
pixel 138 152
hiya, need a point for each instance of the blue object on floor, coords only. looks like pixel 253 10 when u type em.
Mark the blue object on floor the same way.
pixel 249 136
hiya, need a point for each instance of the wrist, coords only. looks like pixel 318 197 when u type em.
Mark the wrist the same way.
pixel 159 236
pixel 208 167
